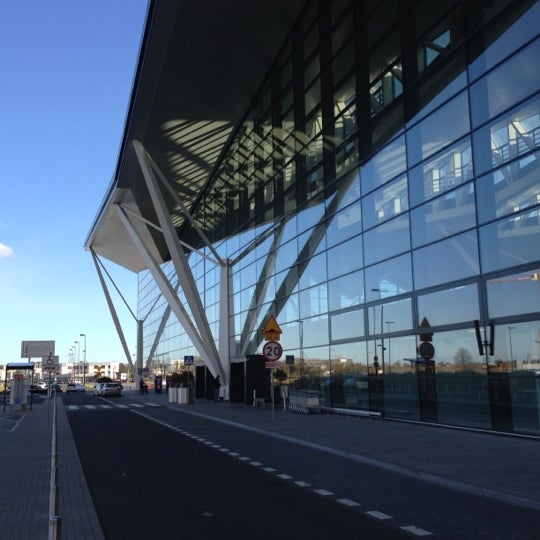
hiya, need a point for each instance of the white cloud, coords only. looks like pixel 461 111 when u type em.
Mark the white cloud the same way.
pixel 5 251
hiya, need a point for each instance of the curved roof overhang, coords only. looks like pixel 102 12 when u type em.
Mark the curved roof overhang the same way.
pixel 200 67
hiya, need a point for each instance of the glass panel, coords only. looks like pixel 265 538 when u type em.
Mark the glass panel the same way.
pixel 387 240
pixel 345 257
pixel 510 189
pixel 286 256
pixel 443 82
pixel 517 133
pixel 513 81
pixel 314 301
pixel 385 165
pixel 315 333
pixel 503 39
pixel 449 260
pixel 445 171
pixel 510 242
pixel 343 62
pixel 389 278
pixel 449 306
pixel 445 216
pixel 346 291
pixel 355 354
pixel 438 130
pixel 344 224
pixel 515 294
pixel 314 272
pixel 386 203
pixel 347 325
pixel 393 316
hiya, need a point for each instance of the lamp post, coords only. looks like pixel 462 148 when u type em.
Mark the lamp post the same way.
pixel 73 356
pixel 78 358
pixel 510 328
pixel 84 359
pixel 388 323
pixel 382 329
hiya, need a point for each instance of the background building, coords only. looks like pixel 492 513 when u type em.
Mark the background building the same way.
pixel 366 172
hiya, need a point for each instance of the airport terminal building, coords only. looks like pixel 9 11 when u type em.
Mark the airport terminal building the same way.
pixel 361 174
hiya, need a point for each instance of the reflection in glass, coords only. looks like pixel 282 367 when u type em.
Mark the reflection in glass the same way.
pixel 387 240
pixel 384 165
pixel 509 189
pixel 515 80
pixel 345 257
pixel 515 294
pixel 450 306
pixel 389 278
pixel 449 260
pixel 346 291
pixel 515 134
pixel 385 203
pixel 344 224
pixel 438 130
pixel 449 214
pixel 511 241
pixel 441 173
pixel 347 325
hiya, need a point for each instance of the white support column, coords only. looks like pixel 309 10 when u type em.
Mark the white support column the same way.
pixel 183 271
pixel 225 323
pixel 170 296
pixel 112 309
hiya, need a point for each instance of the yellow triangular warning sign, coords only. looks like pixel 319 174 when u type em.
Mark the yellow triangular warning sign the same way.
pixel 271 329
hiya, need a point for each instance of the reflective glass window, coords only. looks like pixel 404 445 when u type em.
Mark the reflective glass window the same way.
pixel 514 134
pixel 312 97
pixel 450 306
pixel 500 40
pixel 346 291
pixel 389 278
pixel 313 301
pixel 385 165
pixel 438 130
pixel 449 260
pixel 344 224
pixel 345 257
pixel 385 203
pixel 347 325
pixel 511 241
pixel 343 62
pixel 515 294
pixel 313 271
pixel 516 79
pixel 443 82
pixel 449 214
pixel 394 316
pixel 347 156
pixel 286 255
pixel 443 172
pixel 387 240
pixel 510 189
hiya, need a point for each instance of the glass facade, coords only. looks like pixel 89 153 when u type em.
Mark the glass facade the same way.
pixel 385 179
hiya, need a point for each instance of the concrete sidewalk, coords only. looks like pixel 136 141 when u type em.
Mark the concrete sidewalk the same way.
pixel 494 466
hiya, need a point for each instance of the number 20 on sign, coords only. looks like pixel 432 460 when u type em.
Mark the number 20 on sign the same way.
pixel 272 350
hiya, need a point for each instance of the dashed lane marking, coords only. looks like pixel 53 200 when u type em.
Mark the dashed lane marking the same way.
pixel 376 514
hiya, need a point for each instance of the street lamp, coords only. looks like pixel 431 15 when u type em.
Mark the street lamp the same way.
pixel 84 359
pixel 78 358
pixel 388 323
pixel 382 329
pixel 510 328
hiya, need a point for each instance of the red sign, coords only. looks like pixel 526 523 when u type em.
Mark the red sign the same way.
pixel 272 351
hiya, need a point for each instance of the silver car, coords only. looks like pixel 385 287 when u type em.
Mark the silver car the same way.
pixel 111 389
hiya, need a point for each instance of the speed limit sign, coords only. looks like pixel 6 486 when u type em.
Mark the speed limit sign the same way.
pixel 272 351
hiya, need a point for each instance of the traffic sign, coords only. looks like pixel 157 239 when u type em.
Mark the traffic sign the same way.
pixel 272 351
pixel 271 329
pixel 273 365
pixel 426 350
pixel 189 360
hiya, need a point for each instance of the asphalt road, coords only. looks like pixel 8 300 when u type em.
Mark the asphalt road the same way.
pixel 162 469
pixel 148 481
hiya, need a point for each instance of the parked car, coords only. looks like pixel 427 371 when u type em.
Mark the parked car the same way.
pixel 97 389
pixel 111 389
pixel 38 389
pixel 56 387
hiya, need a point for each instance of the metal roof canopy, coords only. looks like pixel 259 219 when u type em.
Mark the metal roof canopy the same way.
pixel 200 67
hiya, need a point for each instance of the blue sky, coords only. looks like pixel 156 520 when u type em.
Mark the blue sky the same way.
pixel 67 74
